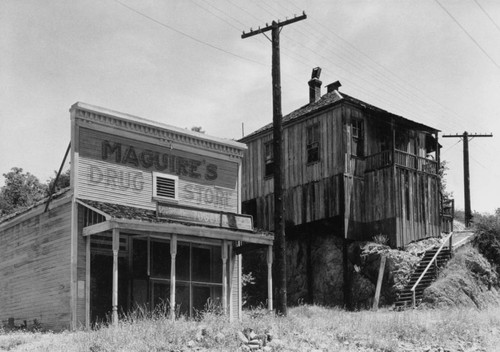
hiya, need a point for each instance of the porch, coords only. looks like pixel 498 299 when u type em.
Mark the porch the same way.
pixel 134 259
pixel 403 159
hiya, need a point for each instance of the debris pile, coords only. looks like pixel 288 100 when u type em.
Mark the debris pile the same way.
pixel 250 341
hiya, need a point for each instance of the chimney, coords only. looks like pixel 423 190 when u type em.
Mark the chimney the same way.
pixel 333 86
pixel 315 85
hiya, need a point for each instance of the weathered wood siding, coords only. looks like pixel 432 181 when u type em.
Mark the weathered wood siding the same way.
pixel 311 191
pixel 309 202
pixel 418 206
pixel 35 267
pixel 400 203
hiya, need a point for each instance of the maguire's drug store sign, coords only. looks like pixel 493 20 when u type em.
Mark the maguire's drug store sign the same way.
pixel 124 167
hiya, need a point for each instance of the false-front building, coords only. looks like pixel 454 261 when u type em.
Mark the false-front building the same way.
pixel 351 171
pixel 152 220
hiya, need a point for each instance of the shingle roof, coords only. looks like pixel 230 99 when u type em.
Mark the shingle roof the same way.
pixel 118 211
pixel 328 100
pixel 21 211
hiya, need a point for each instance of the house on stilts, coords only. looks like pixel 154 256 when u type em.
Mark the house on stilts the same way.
pixel 351 171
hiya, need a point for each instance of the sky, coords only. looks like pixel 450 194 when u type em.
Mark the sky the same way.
pixel 184 63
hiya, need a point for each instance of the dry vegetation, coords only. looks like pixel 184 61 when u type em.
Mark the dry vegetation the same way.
pixel 306 328
pixel 466 320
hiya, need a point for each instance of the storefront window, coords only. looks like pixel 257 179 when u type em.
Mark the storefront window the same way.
pixel 198 269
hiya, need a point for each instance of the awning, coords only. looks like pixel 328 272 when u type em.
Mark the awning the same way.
pixel 132 219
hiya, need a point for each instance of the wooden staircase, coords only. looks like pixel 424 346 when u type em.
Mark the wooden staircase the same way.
pixel 405 298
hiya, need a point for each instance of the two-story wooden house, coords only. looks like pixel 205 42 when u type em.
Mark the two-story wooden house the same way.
pixel 351 171
pixel 152 219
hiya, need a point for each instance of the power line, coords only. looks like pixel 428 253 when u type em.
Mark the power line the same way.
pixel 468 34
pixel 487 15
pixel 403 89
pixel 384 68
pixel 188 35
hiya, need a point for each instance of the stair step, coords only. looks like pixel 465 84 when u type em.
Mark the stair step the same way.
pixel 405 297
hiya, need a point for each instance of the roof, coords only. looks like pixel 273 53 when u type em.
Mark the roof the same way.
pixel 147 220
pixel 329 100
pixel 57 195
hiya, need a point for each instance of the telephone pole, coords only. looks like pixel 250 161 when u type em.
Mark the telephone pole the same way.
pixel 279 225
pixel 465 137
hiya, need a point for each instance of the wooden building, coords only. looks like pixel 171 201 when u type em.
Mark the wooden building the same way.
pixel 351 171
pixel 152 219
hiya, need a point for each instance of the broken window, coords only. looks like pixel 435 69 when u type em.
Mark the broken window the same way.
pixel 312 143
pixel 357 138
pixel 268 159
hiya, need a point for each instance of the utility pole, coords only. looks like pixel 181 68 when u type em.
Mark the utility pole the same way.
pixel 279 224
pixel 465 137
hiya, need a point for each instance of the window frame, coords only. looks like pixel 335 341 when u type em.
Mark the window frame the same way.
pixel 312 143
pixel 357 137
pixel 268 159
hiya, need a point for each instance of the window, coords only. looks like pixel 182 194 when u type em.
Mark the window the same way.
pixel 312 143
pixel 198 270
pixel 268 159
pixel 357 138
pixel 165 186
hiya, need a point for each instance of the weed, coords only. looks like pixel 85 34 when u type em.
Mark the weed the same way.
pixel 381 239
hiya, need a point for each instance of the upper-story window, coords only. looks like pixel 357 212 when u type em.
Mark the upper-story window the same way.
pixel 357 138
pixel 312 143
pixel 268 159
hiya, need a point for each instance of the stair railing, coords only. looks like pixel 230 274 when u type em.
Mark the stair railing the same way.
pixel 433 260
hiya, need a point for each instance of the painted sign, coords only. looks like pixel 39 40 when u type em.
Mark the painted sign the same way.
pixel 119 150
pixel 218 219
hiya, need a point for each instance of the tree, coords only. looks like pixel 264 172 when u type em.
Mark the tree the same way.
pixel 443 168
pixel 197 129
pixel 20 191
pixel 62 182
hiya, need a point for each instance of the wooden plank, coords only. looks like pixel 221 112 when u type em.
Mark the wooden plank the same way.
pixel 114 293
pixel 269 258
pixel 224 257
pixel 379 281
pixel 97 228
pixel 173 254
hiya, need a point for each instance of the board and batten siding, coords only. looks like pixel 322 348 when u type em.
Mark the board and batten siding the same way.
pixel 297 171
pixel 400 203
pixel 35 267
pixel 418 206
pixel 203 181
pixel 312 191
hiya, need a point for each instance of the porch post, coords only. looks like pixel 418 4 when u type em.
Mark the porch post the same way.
pixel 393 149
pixel 116 246
pixel 224 276
pixel 87 282
pixel 270 278
pixel 173 253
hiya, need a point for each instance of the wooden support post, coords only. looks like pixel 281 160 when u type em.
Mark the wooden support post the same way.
pixel 173 254
pixel 270 278
pixel 465 139
pixel 279 218
pixel 87 282
pixel 116 246
pixel 224 275
pixel 379 282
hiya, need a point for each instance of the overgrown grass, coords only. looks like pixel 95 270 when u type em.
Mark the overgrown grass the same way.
pixel 306 328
